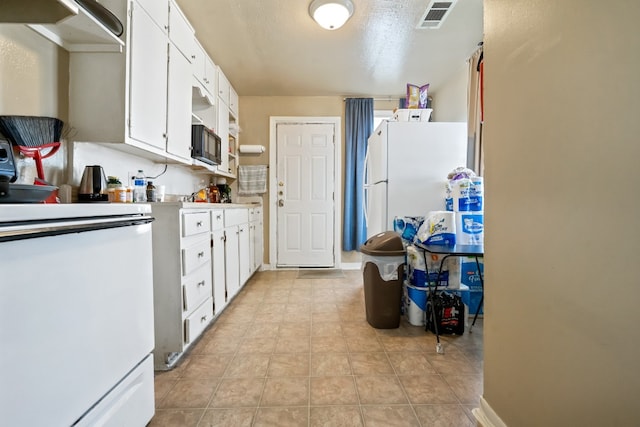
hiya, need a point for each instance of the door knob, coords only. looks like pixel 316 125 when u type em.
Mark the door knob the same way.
pixel 281 203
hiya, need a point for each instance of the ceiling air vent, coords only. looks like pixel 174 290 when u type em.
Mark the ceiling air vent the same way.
pixel 435 14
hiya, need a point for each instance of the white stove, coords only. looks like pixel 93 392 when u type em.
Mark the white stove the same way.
pixel 76 315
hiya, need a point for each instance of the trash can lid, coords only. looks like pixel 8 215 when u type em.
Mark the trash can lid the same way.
pixel 388 243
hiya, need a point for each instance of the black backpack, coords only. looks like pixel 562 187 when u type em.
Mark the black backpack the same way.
pixel 449 311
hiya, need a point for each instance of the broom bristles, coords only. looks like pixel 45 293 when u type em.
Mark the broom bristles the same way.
pixel 31 131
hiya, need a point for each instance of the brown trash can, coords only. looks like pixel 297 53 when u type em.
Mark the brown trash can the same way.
pixel 383 270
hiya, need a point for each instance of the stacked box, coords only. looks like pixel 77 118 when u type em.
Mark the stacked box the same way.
pixel 469 277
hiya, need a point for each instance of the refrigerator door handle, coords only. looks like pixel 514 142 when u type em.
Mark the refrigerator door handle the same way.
pixel 365 188
pixel 365 204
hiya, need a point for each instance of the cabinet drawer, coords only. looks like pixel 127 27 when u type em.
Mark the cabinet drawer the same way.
pixel 217 220
pixel 195 256
pixel 195 223
pixel 196 287
pixel 198 320
pixel 235 217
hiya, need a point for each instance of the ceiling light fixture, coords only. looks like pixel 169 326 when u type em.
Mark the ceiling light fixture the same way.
pixel 331 14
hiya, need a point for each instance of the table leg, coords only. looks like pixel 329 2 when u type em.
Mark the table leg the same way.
pixel 481 298
pixel 432 296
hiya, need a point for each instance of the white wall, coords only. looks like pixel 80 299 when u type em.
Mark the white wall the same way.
pixel 178 180
pixel 33 81
pixel 562 102
pixel 450 99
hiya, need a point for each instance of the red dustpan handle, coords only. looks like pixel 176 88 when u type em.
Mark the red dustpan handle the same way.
pixel 36 154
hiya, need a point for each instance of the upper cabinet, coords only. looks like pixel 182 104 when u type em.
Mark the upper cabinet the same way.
pixel 204 69
pixel 141 99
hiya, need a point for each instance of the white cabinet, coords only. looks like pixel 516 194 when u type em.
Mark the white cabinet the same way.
pixel 181 47
pixel 233 102
pixel 236 247
pixel 181 33
pixel 158 11
pixel 179 105
pixel 224 87
pixel 182 280
pixel 218 261
pixel 147 47
pixel 232 265
pixel 123 98
pixel 244 253
pixel 204 69
pixel 256 238
pixel 222 130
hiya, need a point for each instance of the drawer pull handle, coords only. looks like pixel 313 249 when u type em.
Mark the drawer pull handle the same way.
pixel 200 254
pixel 201 283
pixel 218 216
pixel 199 224
pixel 203 319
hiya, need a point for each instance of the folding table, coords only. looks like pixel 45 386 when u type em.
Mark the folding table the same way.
pixel 473 251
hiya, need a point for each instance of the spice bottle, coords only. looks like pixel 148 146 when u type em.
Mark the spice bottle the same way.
pixel 151 192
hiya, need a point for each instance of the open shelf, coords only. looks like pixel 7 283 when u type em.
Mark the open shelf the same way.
pixel 80 32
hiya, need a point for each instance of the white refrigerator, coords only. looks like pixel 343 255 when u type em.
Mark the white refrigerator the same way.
pixel 406 167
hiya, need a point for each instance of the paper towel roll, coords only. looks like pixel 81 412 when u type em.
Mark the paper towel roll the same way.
pixel 469 228
pixel 252 149
pixel 460 195
pixel 438 228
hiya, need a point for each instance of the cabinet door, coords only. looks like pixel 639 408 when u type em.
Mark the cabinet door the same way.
pixel 218 265
pixel 257 244
pixel 223 132
pixel 180 32
pixel 158 10
pixel 179 105
pixel 233 102
pixel 147 80
pixel 197 62
pixel 232 270
pixel 244 256
pixel 209 75
pixel 224 87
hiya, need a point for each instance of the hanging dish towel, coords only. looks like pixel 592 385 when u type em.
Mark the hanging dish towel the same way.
pixel 252 179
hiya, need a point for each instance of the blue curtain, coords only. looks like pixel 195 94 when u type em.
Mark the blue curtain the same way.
pixel 358 127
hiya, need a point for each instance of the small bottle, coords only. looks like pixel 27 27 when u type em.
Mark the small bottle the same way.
pixel 214 193
pixel 128 195
pixel 151 192
pixel 139 188
pixel 120 195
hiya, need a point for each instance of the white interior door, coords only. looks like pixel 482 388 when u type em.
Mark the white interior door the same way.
pixel 305 194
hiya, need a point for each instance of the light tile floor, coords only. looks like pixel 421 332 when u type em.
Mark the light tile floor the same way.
pixel 299 352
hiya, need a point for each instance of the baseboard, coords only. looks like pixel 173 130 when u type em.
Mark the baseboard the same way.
pixel 486 416
pixel 351 265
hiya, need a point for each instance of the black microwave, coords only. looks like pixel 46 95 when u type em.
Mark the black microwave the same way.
pixel 206 146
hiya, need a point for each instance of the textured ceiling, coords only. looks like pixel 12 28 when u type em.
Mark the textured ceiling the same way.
pixel 273 47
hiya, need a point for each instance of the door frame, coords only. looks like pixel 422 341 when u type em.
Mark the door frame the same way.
pixel 274 121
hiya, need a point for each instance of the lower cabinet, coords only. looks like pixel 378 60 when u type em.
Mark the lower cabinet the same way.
pixel 201 259
pixel 244 253
pixel 256 238
pixel 218 261
pixel 182 280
